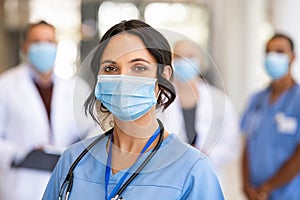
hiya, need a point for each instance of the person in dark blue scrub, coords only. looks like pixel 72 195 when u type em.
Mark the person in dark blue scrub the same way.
pixel 271 161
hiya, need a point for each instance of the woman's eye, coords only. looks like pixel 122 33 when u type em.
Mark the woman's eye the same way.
pixel 110 69
pixel 139 68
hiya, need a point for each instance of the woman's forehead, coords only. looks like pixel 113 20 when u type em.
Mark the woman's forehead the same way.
pixel 123 44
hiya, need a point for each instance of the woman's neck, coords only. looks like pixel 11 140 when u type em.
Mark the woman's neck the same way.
pixel 132 138
pixel 128 141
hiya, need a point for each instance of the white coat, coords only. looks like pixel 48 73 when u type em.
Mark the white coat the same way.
pixel 216 123
pixel 24 126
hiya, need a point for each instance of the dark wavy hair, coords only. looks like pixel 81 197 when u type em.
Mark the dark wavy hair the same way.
pixel 158 47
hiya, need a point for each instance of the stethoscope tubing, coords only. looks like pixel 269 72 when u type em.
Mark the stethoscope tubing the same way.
pixel 68 182
pixel 69 179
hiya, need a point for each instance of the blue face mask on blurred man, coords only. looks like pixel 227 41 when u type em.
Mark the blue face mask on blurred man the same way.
pixel 186 69
pixel 277 64
pixel 42 56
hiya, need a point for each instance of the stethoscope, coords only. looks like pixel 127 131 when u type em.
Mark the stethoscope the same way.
pixel 68 182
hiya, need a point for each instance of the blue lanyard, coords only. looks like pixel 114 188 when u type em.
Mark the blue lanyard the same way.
pixel 108 164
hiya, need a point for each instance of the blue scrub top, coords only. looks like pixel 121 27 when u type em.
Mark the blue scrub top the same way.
pixel 273 133
pixel 177 171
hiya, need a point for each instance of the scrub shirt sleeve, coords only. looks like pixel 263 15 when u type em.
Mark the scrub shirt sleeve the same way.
pixel 56 179
pixel 201 183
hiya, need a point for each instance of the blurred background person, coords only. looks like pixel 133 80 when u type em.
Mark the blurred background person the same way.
pixel 271 160
pixel 38 115
pixel 201 115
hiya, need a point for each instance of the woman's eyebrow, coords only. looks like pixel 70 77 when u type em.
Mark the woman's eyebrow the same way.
pixel 108 61
pixel 139 59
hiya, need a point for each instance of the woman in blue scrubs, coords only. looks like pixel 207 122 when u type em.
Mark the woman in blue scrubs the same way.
pixel 271 161
pixel 136 158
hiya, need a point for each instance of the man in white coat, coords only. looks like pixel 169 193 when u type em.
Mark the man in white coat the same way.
pixel 201 115
pixel 38 110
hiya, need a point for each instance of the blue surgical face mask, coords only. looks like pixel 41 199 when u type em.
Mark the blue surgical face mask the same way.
pixel 126 97
pixel 277 64
pixel 186 69
pixel 42 56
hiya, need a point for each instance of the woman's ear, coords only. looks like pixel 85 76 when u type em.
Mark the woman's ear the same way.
pixel 167 73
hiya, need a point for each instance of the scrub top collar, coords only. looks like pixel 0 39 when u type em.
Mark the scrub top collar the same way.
pixel 157 161
pixel 281 104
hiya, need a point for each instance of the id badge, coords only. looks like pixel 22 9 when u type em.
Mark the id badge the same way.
pixel 285 124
